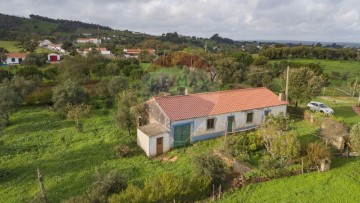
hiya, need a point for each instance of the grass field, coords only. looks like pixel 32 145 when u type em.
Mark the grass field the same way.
pixel 340 184
pixel 69 160
pixel 353 67
pixel 10 46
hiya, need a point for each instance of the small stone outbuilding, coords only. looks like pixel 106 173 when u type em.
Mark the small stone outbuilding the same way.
pixel 153 139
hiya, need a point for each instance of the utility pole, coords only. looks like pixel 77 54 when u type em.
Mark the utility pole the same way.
pixel 355 86
pixel 287 84
pixel 205 47
pixel 98 42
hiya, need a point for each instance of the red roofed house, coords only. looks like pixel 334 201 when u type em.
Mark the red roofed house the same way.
pixel 180 120
pixel 14 58
pixel 134 53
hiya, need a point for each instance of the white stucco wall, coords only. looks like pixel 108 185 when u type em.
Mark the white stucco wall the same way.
pixel 143 141
pixel 57 56
pixel 198 127
pixel 152 144
pixel 17 60
pixel 105 52
pixel 148 144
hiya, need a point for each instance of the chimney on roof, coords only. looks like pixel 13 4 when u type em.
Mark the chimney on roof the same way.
pixel 187 91
pixel 281 97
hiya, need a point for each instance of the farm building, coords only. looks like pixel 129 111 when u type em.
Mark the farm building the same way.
pixel 89 40
pixel 102 51
pixel 14 58
pixel 56 47
pixel 134 53
pixel 53 57
pixel 183 119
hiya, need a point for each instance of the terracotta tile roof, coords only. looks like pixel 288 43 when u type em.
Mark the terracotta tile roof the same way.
pixel 132 51
pixel 214 103
pixel 16 55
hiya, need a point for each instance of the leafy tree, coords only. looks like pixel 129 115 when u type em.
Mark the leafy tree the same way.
pixel 9 100
pixel 68 93
pixel 355 137
pixel 3 56
pixel 125 117
pixel 315 153
pixel 35 59
pixel 29 72
pixel 259 77
pixel 230 71
pixel 243 57
pixel 129 68
pixel 28 43
pixel 75 68
pixel 273 131
pixel 51 73
pixel 5 74
pixel 99 70
pixel 260 60
pixel 67 45
pixel 112 69
pixel 240 145
pixel 285 147
pixel 304 84
pixel 77 112
pixel 159 84
pixel 212 166
pixel 116 84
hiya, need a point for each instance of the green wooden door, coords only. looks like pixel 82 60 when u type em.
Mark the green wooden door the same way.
pixel 230 123
pixel 182 135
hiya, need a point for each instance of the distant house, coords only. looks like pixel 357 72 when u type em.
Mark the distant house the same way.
pixel 102 51
pixel 134 53
pixel 14 58
pixel 44 43
pixel 56 47
pixel 176 121
pixel 89 40
pixel 53 57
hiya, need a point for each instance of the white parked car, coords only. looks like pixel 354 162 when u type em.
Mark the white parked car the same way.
pixel 320 107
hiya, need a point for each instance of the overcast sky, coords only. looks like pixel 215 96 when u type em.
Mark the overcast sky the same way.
pixel 312 20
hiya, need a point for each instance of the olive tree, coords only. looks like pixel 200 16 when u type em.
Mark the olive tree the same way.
pixel 76 112
pixel 125 116
pixel 10 99
pixel 68 93
pixel 355 137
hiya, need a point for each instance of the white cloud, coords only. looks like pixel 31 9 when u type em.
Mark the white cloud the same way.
pixel 316 20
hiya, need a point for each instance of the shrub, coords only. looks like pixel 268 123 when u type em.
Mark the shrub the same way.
pixel 122 151
pixel 39 97
pixel 316 152
pixel 78 199
pixel 168 187
pixel 131 194
pixel 239 146
pixel 212 166
pixel 104 186
pixel 355 137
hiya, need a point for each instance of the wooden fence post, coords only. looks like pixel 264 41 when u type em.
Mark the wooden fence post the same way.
pixel 42 187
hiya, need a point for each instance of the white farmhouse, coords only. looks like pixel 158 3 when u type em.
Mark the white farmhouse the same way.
pixel 180 120
pixel 89 40
pixel 14 58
